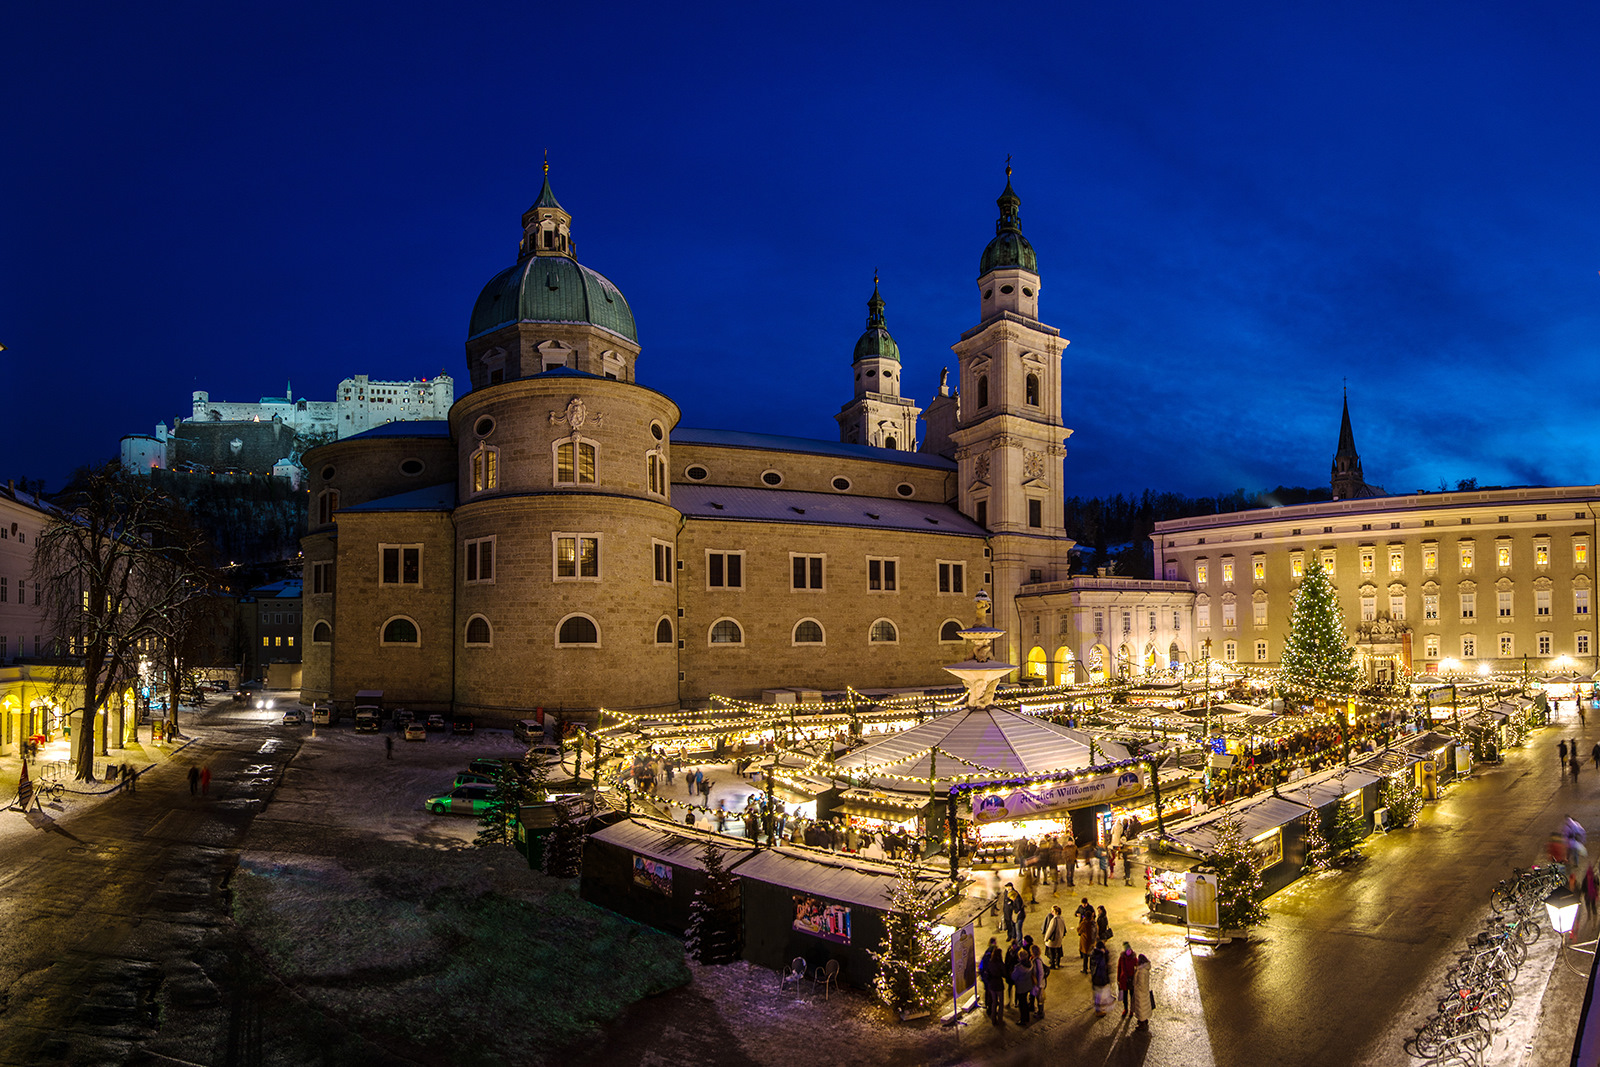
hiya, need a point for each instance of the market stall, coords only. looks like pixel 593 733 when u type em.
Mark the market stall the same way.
pixel 649 870
pixel 1271 824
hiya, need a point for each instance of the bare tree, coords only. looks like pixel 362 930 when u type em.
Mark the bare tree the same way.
pixel 118 561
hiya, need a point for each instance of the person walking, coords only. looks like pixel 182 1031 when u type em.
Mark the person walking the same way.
pixel 1574 764
pixel 1069 859
pixel 194 780
pixel 1086 933
pixel 1102 926
pixel 1022 982
pixel 388 747
pixel 1594 754
pixel 1591 890
pixel 1583 715
pixel 1013 912
pixel 1126 963
pixel 1100 979
pixel 992 972
pixel 1144 1001
pixel 1103 859
pixel 1040 977
pixel 1130 856
pixel 1055 932
pixel 205 780
pixel 1561 755
pixel 705 790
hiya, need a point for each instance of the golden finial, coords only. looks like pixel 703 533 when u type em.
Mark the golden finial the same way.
pixel 547 163
pixel 1008 165
pixel 874 277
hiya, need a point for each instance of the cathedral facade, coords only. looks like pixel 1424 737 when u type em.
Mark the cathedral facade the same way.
pixel 559 540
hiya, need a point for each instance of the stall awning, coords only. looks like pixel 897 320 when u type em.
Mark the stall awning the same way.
pixel 1324 788
pixel 1389 761
pixel 1430 742
pixel 869 885
pixel 1257 816
pixel 667 842
pixel 865 806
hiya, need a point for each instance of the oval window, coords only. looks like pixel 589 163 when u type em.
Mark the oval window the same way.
pixel 483 427
pixel 772 478
pixel 327 473
pixel 872 374
pixel 842 484
pixel 696 473
pixel 411 466
pixel 1026 291
pixel 904 489
pixel 987 293
pixel 656 431
pixel 1005 288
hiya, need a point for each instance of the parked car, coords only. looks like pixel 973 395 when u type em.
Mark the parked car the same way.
pixel 436 722
pixel 251 685
pixel 491 767
pixel 545 753
pixel 526 730
pixel 294 717
pixel 462 800
pixel 458 725
pixel 416 731
pixel 366 720
pixel 402 717
pixel 469 778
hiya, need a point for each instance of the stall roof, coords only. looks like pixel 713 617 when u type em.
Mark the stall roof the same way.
pixel 1008 741
pixel 862 803
pixel 869 885
pixel 1319 789
pixel 1256 815
pixel 1432 741
pixel 670 843
pixel 1390 760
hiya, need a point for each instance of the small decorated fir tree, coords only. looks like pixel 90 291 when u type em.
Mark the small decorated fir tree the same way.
pixel 1319 852
pixel 1349 830
pixel 1403 799
pixel 713 934
pixel 563 852
pixel 1239 886
pixel 497 822
pixel 1317 658
pixel 913 960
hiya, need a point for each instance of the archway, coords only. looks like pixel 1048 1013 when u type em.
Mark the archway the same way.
pixel 1063 665
pixel 1098 657
pixel 1173 656
pixel 1036 663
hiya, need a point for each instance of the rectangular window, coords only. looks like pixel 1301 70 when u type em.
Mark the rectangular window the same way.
pixel 1541 602
pixel 1397 605
pixel 485 469
pixel 881 575
pixel 807 571
pixel 1297 565
pixel 1502 555
pixel 1397 560
pixel 1583 644
pixel 1227 616
pixel 266 642
pixel 1506 646
pixel 1200 573
pixel 277 642
pixel 1504 603
pixel 724 570
pixel 1430 646
pixel 321 578
pixel 1580 601
pixel 480 560
pixel 1430 558
pixel 1469 646
pixel 1177 622
pixel 577 556
pixel 1466 557
pixel 1541 554
pixel 1369 560
pixel 1227 571
pixel 1099 622
pixel 1261 652
pixel 4 596
pixel 1259 609
pixel 662 553
pixel 1230 651
pixel 1469 605
pixel 982 514
pixel 952 577
pixel 1580 551
pixel 1258 568
pixel 1544 644
pixel 400 565
pixel 1202 616
pixel 1369 608
pixel 656 470
pixel 1036 513
pixel 575 463
pixel 1327 563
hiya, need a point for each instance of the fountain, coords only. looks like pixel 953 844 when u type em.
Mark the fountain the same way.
pixel 979 673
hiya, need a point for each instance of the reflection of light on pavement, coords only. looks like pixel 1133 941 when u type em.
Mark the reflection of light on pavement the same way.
pixel 1180 1019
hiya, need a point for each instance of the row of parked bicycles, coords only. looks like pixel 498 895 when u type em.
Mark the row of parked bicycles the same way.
pixel 1479 989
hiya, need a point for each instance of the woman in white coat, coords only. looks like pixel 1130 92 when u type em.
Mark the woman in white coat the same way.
pixel 1142 1006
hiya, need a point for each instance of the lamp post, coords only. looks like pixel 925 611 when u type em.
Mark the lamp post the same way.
pixel 1562 906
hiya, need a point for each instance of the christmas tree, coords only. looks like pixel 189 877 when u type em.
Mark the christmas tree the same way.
pixel 497 822
pixel 1319 852
pixel 913 960
pixel 563 852
pixel 1238 867
pixel 1403 799
pixel 1349 829
pixel 713 934
pixel 1317 658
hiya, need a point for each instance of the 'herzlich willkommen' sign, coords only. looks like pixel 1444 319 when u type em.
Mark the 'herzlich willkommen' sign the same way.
pixel 1063 796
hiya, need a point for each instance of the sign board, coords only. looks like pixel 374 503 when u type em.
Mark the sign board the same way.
pixel 963 964
pixel 1062 796
pixel 1200 890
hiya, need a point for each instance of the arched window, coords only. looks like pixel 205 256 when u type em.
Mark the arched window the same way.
pixel 883 632
pixel 950 632
pixel 575 462
pixel 888 442
pixel 322 634
pixel 577 630
pixel 478 632
pixel 1031 389
pixel 983 390
pixel 726 632
pixel 327 504
pixel 664 632
pixel 808 632
pixel 656 472
pixel 485 468
pixel 400 631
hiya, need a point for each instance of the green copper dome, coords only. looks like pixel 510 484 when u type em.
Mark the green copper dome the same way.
pixel 1009 248
pixel 876 343
pixel 551 289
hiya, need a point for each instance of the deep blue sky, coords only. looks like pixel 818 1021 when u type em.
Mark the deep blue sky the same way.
pixel 1236 207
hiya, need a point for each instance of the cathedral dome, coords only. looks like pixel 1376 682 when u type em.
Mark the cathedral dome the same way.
pixel 1009 248
pixel 876 343
pixel 551 289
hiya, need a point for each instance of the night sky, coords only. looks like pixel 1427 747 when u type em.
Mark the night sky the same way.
pixel 1236 208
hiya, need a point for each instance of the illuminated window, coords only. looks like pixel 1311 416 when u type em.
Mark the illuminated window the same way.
pixel 1230 651
pixel 577 556
pixel 1261 652
pixel 1297 565
pixel 1502 555
pixel 1466 556
pixel 1227 616
pixel 1430 646
pixel 1327 563
pixel 1227 571
pixel 1469 646
pixel 1397 560
pixel 1369 558
pixel 1541 554
pixel 485 469
pixel 1258 568
pixel 1200 573
pixel 1202 616
pixel 1430 558
pixel 266 642
pixel 1583 644
pixel 1580 551
pixel 1469 605
pixel 575 462
pixel 1506 646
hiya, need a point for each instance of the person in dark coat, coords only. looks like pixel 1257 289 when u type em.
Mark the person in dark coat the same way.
pixel 992 971
pixel 1125 967
pixel 1100 978
pixel 1561 755
pixel 1013 951
pixel 1022 979
pixel 194 780
pixel 1013 912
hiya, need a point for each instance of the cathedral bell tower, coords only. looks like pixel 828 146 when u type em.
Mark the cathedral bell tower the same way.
pixel 878 415
pixel 546 226
pixel 1010 441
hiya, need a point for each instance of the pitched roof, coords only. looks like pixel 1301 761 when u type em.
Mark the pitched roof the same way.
pixel 778 443
pixel 997 738
pixel 406 428
pixel 747 504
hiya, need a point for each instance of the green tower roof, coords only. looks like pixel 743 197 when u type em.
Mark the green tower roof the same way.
pixel 876 343
pixel 1009 248
pixel 551 289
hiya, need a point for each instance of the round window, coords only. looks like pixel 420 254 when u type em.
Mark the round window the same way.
pixel 872 374
pixel 772 478
pixel 411 466
pixel 842 484
pixel 1005 288
pixel 656 431
pixel 327 473
pixel 696 473
pixel 987 293
pixel 904 489
pixel 1026 291
pixel 483 427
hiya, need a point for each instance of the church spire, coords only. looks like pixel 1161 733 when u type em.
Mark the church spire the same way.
pixel 546 226
pixel 1010 204
pixel 1348 482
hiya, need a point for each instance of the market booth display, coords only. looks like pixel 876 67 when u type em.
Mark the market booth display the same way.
pixel 648 870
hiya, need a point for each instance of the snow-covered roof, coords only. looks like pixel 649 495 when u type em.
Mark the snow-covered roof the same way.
pixel 1256 816
pixel 665 842
pixel 998 738
pixel 1319 789
pixel 866 884
pixel 440 497
pixel 777 443
pixel 742 504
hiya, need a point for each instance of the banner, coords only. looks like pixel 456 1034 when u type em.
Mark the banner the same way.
pixel 1200 893
pixel 1063 796
pixel 963 963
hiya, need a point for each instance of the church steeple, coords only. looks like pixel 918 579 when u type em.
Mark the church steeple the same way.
pixel 1348 482
pixel 546 226
pixel 878 415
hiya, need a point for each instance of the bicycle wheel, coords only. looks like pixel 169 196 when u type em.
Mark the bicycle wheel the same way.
pixel 1529 931
pixel 1501 897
